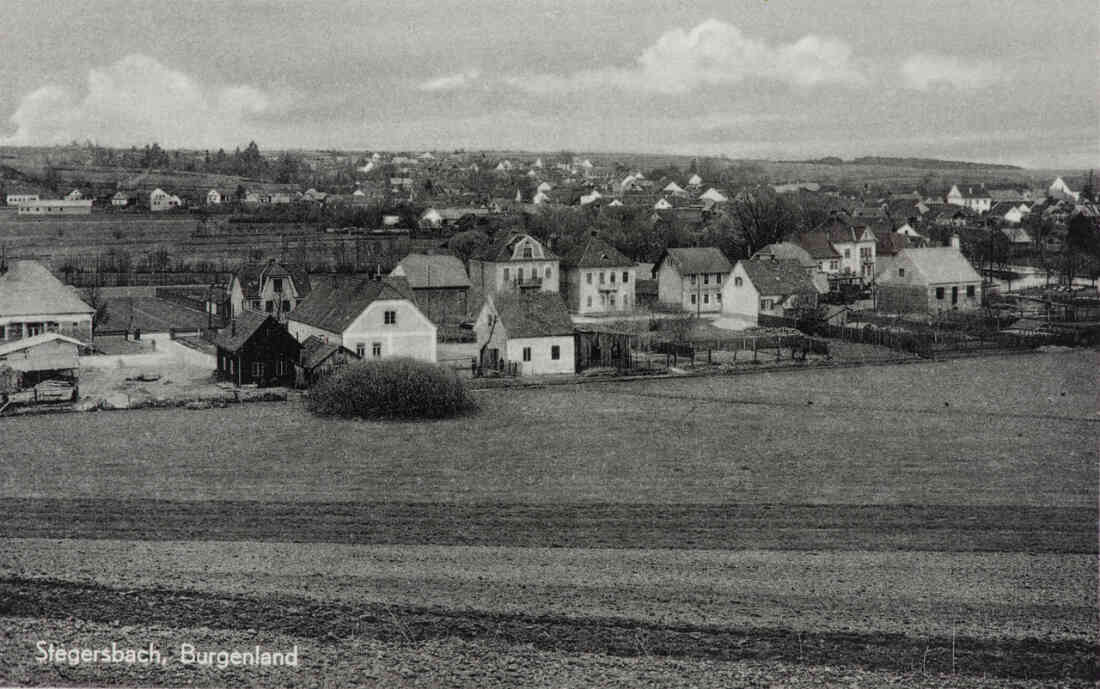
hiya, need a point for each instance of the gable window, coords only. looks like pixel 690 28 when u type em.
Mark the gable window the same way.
pixel 555 352
pixel 737 281
pixel 970 290
pixel 376 349
pixel 939 293
pixel 528 252
pixel 526 353
pixel 277 285
pixel 390 318
pixel 901 272
pixel 588 277
pixel 361 350
pixel 626 277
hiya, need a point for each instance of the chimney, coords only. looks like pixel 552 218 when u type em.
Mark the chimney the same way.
pixel 955 242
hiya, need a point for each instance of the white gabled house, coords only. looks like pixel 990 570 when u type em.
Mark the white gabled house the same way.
pixel 160 200
pixel 930 280
pixel 767 286
pixel 375 319
pixel 526 334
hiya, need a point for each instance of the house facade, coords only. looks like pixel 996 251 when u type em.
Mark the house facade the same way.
pixel 56 207
pixel 979 201
pixel 598 279
pixel 767 286
pixel 526 334
pixel 255 348
pixel 930 280
pixel 271 288
pixel 518 262
pixel 160 200
pixel 692 278
pixel 16 199
pixel 376 319
pixel 843 249
pixel 34 302
pixel 440 285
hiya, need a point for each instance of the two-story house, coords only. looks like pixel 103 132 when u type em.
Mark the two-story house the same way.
pixel 376 319
pixel 526 334
pixel 517 262
pixel 597 278
pixel 692 278
pixel 271 288
pixel 767 286
pixel 853 244
pixel 978 201
pixel 160 200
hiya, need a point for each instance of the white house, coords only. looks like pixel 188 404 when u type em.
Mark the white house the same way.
pixel 160 200
pixel 979 201
pixel 674 188
pixel 768 286
pixel 590 197
pixel 74 195
pixel 930 280
pixel 213 197
pixel 271 288
pixel 1060 190
pixel 376 319
pixel 531 334
pixel 16 199
pixel 33 302
pixel 514 263
pixel 56 207
pixel 714 195
pixel 662 205
pixel 695 181
pixel 597 278
pixel 692 278
pixel 852 248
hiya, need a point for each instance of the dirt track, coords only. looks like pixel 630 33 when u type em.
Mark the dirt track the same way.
pixel 1030 658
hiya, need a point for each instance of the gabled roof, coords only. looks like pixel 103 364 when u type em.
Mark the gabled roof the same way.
pixel 696 260
pixel 787 251
pixel 28 289
pixel 252 276
pixel 432 270
pixel 502 249
pixel 837 230
pixel 247 324
pixel 538 314
pixel 333 306
pixel 314 351
pixel 941 264
pixel 596 253
pixel 818 244
pixel 777 276
pixel 26 342
pixel 890 243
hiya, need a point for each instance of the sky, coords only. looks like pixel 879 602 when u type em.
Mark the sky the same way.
pixel 1006 82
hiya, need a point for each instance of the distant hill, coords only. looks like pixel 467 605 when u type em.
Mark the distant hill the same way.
pixel 918 163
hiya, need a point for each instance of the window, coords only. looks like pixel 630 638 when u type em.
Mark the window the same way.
pixel 834 264
pixel 376 349
pixel 361 350
pixel 626 277
pixel 390 318
pixel 939 293
pixel 257 370
pixel 16 331
pixel 255 304
pixel 765 304
pixel 954 294
pixel 506 276
pixel 969 293
pixel 612 277
pixel 2 333
pixel 718 297
pixel 847 253
pixel 269 306
pixel 519 274
pixel 691 278
pixel 590 300
pixel 706 278
pixel 277 285
pixel 737 281
pixel 547 272
pixel 602 276
pixel 718 278
pixel 612 298
pixel 706 298
pixel 901 272
pixel 528 252
pixel 693 299
pixel 588 277
pixel 526 353
pixel 555 352
pixel 286 305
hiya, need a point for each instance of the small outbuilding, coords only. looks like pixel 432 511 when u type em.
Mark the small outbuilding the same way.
pixel 256 348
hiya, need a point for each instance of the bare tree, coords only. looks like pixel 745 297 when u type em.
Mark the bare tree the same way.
pixel 761 217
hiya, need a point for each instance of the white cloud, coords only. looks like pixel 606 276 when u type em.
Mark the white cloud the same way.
pixel 139 100
pixel 714 53
pixel 451 82
pixel 925 70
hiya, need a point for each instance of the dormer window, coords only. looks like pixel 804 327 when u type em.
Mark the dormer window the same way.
pixel 528 252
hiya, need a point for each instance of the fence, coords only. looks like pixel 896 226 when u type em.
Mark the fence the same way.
pixel 928 342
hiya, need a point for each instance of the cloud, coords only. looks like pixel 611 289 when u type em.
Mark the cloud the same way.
pixel 714 53
pixel 451 82
pixel 925 70
pixel 139 100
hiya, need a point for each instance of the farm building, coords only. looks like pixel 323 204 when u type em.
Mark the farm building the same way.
pixel 256 348
pixel 692 278
pixel 598 279
pixel 517 262
pixel 767 287
pixel 33 302
pixel 440 285
pixel 42 357
pixel 376 319
pixel 56 207
pixel 526 334
pixel 604 348
pixel 929 280
pixel 124 199
pixel 318 359
pixel 271 288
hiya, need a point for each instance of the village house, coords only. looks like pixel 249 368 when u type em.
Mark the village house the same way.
pixel 979 201
pixel 790 251
pixel 214 198
pixel 124 199
pixel 56 207
pixel 18 198
pixel 525 334
pixel 714 195
pixel 376 319
pixel 160 200
pixel 440 285
pixel 33 302
pixel 853 244
pixel 517 262
pixel 929 280
pixel 597 279
pixel 269 287
pixel 255 348
pixel 42 357
pixel 767 286
pixel 1060 190
pixel 692 278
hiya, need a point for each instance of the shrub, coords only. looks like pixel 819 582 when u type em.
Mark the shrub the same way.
pixel 391 388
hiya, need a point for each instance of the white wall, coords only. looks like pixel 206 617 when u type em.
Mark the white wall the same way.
pixel 413 335
pixel 742 301
pixel 540 362
pixel 624 292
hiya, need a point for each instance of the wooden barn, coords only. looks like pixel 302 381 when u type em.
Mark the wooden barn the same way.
pixel 318 359
pixel 256 348
pixel 604 349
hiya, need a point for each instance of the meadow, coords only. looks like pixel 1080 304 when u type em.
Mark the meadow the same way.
pixel 920 525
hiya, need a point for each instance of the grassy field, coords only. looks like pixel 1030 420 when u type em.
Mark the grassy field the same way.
pixel 922 525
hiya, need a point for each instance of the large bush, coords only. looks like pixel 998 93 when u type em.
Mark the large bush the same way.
pixel 391 388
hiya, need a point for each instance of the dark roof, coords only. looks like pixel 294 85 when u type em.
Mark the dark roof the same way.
pixel 818 245
pixel 778 276
pixel 234 336
pixel 252 276
pixel 838 230
pixel 434 270
pixel 890 243
pixel 315 350
pixel 332 306
pixel 538 314
pixel 502 249
pixel 596 253
pixel 697 260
